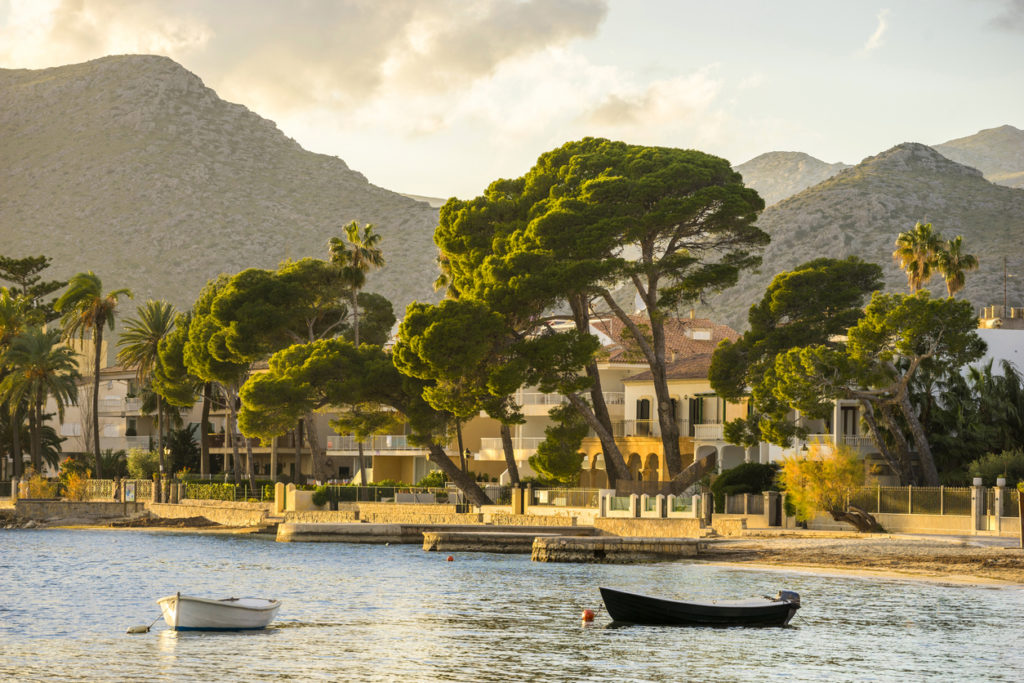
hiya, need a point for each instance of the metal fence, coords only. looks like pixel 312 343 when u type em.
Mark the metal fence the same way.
pixel 916 500
pixel 749 504
pixel 572 498
pixel 1011 503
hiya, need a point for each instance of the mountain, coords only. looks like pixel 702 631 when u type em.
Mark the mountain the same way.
pixel 777 175
pixel 129 166
pixel 862 209
pixel 996 152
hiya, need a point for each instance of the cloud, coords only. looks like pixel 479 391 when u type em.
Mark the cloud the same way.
pixel 664 102
pixel 1012 16
pixel 875 41
pixel 337 52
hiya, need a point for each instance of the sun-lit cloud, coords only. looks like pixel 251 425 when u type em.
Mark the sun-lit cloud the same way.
pixel 875 41
pixel 1011 18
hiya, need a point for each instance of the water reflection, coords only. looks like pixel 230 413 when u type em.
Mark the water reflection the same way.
pixel 374 613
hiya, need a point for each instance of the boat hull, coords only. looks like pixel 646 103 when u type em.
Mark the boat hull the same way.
pixel 642 609
pixel 186 613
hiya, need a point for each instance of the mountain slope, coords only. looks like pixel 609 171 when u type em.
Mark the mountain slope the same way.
pixel 861 210
pixel 777 175
pixel 131 167
pixel 996 152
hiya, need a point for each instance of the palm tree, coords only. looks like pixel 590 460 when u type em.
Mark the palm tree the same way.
pixel 916 252
pixel 84 308
pixel 356 255
pixel 140 349
pixel 13 319
pixel 41 366
pixel 953 264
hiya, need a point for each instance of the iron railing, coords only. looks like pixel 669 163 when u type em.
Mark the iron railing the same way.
pixel 917 500
pixel 572 498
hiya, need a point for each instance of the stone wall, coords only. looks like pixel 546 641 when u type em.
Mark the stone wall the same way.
pixel 75 511
pixel 508 519
pixel 398 516
pixel 227 513
pixel 659 528
pixel 611 550
pixel 322 516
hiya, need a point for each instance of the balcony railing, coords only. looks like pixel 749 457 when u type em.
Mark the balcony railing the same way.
pixel 124 443
pixel 492 446
pixel 385 442
pixel 537 398
pixel 709 432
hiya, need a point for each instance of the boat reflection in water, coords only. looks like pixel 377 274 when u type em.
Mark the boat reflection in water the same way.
pixel 633 608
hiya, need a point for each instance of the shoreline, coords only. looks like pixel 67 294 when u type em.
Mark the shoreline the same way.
pixel 841 571
pixel 944 560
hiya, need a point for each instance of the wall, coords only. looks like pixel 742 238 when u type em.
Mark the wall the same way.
pixel 236 514
pixel 84 511
pixel 655 528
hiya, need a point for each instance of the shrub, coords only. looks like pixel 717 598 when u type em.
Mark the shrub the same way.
pixel 434 479
pixel 209 490
pixel 823 481
pixel 320 496
pixel 142 464
pixel 750 477
pixel 115 464
pixel 1008 464
pixel 76 485
pixel 39 486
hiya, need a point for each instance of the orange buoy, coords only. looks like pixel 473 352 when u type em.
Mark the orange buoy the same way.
pixel 588 615
pixel 451 559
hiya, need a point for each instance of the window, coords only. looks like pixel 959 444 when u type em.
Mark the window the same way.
pixel 850 423
pixel 643 409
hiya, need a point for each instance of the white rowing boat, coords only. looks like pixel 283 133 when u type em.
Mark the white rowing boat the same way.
pixel 187 613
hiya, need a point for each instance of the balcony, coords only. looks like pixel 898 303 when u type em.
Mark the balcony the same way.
pixel 709 432
pixel 124 443
pixel 374 444
pixel 522 448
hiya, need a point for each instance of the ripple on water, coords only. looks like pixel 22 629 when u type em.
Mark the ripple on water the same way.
pixel 367 612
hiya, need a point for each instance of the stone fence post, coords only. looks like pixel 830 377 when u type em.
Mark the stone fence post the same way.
pixel 634 505
pixel 15 482
pixel 978 505
pixel 660 504
pixel 279 498
pixel 998 503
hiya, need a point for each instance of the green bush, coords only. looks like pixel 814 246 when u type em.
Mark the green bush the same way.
pixel 207 490
pixel 1008 464
pixel 434 479
pixel 750 477
pixel 320 496
pixel 142 464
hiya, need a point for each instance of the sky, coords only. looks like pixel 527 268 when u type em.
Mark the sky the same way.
pixel 441 97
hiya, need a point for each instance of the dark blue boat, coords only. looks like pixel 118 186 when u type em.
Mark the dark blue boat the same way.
pixel 642 609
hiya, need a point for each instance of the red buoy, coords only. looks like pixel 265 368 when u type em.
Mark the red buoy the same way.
pixel 588 615
pixel 451 559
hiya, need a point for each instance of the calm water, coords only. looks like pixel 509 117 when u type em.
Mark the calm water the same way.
pixel 361 612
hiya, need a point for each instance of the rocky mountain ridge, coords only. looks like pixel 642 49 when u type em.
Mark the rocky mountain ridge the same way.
pixel 862 209
pixel 130 166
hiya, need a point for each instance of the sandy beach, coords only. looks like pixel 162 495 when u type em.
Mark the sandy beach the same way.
pixel 941 558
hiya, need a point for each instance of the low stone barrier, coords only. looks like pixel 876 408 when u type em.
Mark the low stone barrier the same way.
pixel 226 513
pixel 508 519
pixel 478 541
pixel 74 511
pixel 610 550
pixel 322 516
pixel 729 527
pixel 398 516
pixel 682 527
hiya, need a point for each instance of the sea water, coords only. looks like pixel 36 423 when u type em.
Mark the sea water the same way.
pixel 373 612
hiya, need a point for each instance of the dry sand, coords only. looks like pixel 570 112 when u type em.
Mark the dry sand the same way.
pixel 952 559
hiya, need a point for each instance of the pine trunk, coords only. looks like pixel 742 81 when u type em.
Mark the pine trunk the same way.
pixel 510 454
pixel 204 437
pixel 463 481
